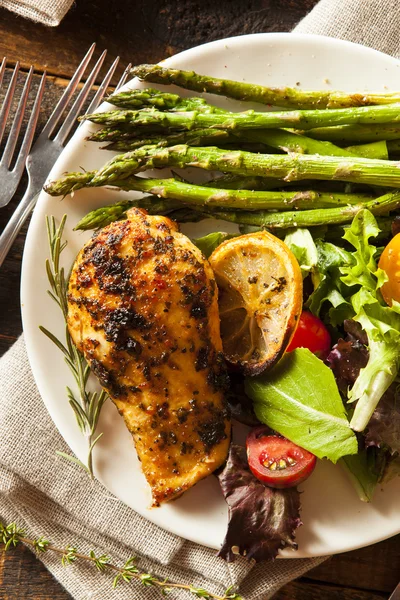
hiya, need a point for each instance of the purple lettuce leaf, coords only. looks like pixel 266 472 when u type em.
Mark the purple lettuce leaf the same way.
pixel 241 406
pixel 392 468
pixel 384 425
pixel 396 226
pixel 261 519
pixel 354 332
pixel 346 359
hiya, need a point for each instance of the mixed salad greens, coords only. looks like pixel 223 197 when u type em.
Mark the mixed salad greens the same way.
pixel 320 405
pixel 327 188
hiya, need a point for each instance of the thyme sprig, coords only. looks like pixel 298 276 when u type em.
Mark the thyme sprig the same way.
pixel 11 535
pixel 86 404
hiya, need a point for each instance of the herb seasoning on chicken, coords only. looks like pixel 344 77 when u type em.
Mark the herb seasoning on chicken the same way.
pixel 143 308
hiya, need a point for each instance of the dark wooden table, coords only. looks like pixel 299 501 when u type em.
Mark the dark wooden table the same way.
pixel 147 31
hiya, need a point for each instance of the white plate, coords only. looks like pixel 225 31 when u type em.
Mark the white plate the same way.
pixel 334 519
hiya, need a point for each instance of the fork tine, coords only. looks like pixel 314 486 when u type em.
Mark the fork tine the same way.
pixel 62 103
pixel 5 109
pixel 102 89
pixel 2 69
pixel 75 109
pixel 124 77
pixel 17 122
pixel 30 129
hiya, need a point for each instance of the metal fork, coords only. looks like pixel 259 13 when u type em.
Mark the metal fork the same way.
pixel 46 150
pixel 10 178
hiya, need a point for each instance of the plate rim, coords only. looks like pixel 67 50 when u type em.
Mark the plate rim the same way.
pixel 30 344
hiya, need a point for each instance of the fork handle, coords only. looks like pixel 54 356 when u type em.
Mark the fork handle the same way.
pixel 18 218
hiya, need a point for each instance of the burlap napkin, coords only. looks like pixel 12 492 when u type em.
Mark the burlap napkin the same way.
pixel 48 12
pixel 53 498
pixel 373 23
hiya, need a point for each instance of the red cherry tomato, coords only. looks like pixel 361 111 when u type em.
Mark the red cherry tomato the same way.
pixel 311 333
pixel 276 461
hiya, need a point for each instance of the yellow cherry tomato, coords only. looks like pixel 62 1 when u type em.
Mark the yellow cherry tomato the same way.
pixel 390 263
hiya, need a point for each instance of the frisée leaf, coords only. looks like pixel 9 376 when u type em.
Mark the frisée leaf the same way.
pixel 380 322
pixel 350 282
pixel 300 400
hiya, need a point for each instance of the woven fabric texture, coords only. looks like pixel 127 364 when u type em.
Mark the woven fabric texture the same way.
pixel 48 12
pixel 373 23
pixel 53 498
pixel 49 496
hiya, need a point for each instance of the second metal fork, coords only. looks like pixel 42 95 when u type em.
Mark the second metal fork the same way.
pixel 46 150
pixel 10 178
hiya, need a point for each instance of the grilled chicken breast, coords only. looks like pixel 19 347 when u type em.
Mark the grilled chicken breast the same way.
pixel 142 307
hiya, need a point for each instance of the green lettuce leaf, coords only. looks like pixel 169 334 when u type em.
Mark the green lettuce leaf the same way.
pixel 208 243
pixel 350 282
pixel 365 471
pixel 301 243
pixel 300 400
pixel 331 256
pixel 331 289
pixel 322 260
pixel 363 269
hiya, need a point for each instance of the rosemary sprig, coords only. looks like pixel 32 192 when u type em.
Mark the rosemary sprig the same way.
pixel 86 405
pixel 11 535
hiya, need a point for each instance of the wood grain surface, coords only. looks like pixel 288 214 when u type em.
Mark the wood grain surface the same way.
pixel 147 31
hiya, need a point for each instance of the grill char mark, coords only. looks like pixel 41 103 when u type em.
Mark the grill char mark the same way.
pixel 152 303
